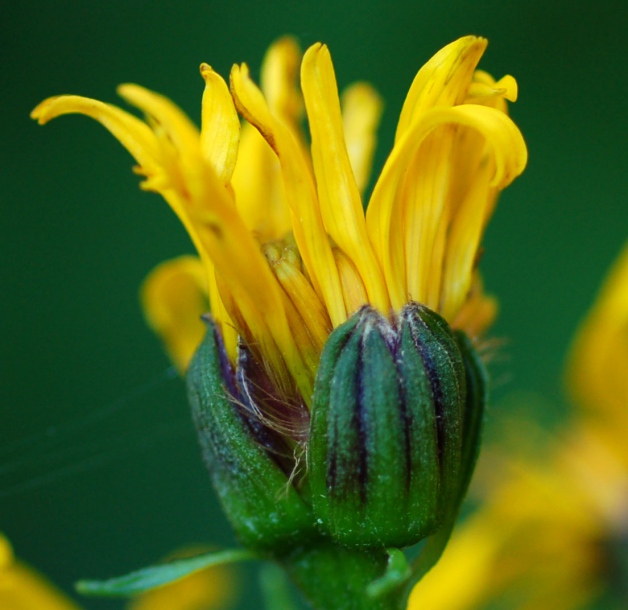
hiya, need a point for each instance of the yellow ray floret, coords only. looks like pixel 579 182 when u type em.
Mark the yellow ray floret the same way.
pixel 220 126
pixel 339 197
pixel 361 111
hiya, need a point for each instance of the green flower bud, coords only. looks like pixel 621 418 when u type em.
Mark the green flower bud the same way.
pixel 395 427
pixel 248 461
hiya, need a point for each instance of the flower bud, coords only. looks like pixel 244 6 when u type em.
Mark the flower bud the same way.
pixel 395 427
pixel 246 459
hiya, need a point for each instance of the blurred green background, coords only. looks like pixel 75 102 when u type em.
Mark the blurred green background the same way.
pixel 100 471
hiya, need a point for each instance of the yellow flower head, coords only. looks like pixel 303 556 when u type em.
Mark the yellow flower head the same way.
pixel 287 252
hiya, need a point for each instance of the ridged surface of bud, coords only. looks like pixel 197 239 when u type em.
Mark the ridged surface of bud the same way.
pixel 395 421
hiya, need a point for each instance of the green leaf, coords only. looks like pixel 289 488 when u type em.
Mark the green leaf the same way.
pixel 397 572
pixel 159 575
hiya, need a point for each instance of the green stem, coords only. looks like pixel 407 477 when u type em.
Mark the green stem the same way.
pixel 275 588
pixel 333 577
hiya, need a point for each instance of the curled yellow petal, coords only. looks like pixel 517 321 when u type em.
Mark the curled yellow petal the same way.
pixel 503 136
pixel 132 133
pixel 220 126
pixel 443 80
pixel 174 297
pixel 484 86
pixel 338 194
pixel 384 223
pixel 361 112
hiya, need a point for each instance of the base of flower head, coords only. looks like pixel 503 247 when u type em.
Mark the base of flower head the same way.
pixel 395 427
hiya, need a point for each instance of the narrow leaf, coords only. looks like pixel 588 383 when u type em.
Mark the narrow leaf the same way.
pixel 159 575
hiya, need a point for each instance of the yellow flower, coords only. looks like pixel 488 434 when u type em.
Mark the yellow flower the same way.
pixel 531 545
pixel 287 252
pixel 599 360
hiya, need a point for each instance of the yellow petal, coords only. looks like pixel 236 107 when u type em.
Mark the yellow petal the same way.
pixel 257 181
pixel 24 589
pixel 178 127
pixel 443 80
pixel 174 296
pixel 426 213
pixel 353 288
pixel 340 201
pixel 132 133
pixel 506 87
pixel 308 226
pixel 242 267
pixel 285 263
pixel 6 553
pixel 220 126
pixel 361 112
pixel 463 243
pixel 280 70
pixel 182 168
pixel 258 185
pixel 505 144
pixel 503 136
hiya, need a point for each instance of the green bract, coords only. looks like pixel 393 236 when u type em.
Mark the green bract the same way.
pixel 265 510
pixel 386 444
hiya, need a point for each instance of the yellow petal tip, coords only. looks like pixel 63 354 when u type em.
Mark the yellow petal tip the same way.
pixel 41 113
pixel 205 69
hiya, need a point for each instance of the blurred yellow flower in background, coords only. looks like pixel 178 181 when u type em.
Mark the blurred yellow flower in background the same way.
pixel 213 588
pixel 551 532
pixel 22 588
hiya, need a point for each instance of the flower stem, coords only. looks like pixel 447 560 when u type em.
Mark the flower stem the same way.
pixel 333 577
